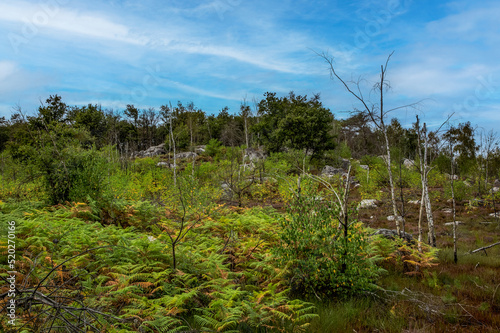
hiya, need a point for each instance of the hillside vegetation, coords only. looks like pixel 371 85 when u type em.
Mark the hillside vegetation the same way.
pixel 265 221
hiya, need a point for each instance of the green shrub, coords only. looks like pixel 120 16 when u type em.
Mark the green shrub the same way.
pixel 213 148
pixel 88 171
pixel 74 175
pixel 462 191
pixel 320 261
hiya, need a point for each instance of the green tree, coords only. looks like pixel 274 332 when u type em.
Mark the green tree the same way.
pixel 92 119
pixel 464 145
pixel 55 152
pixel 355 131
pixel 294 122
pixel 54 111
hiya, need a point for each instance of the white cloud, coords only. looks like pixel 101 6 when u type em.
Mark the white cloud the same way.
pixel 7 68
pixel 35 18
pixel 199 91
pixel 473 24
pixel 429 79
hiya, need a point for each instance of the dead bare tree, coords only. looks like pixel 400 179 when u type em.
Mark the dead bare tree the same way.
pixel 173 143
pixel 488 142
pixel 245 113
pixel 424 174
pixel 452 183
pixel 376 112
pixel 423 139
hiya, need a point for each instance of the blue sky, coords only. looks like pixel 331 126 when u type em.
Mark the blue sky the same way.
pixel 217 53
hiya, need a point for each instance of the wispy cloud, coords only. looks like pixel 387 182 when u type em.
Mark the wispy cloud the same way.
pixel 218 51
pixel 36 18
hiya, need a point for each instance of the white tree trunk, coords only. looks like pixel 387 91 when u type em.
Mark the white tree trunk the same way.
pixel 425 184
pixel 173 145
pixel 246 132
pixel 430 219
pixel 391 181
pixel 420 217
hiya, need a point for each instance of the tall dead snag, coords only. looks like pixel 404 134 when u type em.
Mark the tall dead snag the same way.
pixel 168 115
pixel 377 114
pixel 452 183
pixel 423 153
pixel 423 138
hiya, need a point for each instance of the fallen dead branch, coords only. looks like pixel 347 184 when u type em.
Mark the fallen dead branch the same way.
pixel 484 248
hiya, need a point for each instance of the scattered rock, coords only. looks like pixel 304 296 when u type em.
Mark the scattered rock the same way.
pixel 451 223
pixel 345 163
pixel 455 177
pixel 364 167
pixel 200 149
pixel 151 151
pixel 408 163
pixel 227 193
pixel 331 171
pixel 391 234
pixel 393 218
pixel 495 189
pixel 188 154
pixel 164 165
pixel 497 214
pixel 254 155
pixel 367 203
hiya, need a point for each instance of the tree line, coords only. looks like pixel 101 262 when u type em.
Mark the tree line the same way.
pixel 274 123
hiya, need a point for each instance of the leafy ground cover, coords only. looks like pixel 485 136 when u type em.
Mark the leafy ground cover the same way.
pixel 151 255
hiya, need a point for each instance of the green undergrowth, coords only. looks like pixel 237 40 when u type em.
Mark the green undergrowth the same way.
pixel 225 279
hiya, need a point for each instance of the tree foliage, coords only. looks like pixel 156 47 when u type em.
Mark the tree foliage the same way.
pixel 294 122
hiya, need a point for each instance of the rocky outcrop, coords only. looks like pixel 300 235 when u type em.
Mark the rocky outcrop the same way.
pixel 254 155
pixel 200 149
pixel 345 164
pixel 367 203
pixel 455 177
pixel 188 154
pixel 409 164
pixel 392 234
pixel 164 165
pixel 227 193
pixel 394 218
pixel 330 171
pixel 151 151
